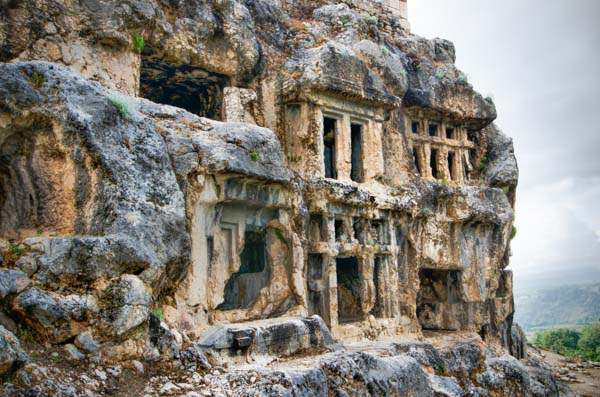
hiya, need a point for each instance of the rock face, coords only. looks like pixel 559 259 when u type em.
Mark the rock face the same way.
pixel 219 162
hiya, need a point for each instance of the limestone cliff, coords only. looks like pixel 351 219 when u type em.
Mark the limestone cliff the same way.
pixel 204 183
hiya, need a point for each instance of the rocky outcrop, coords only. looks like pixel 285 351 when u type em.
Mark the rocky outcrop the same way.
pixel 211 183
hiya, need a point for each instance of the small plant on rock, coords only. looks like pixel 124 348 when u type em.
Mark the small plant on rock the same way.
pixel 513 232
pixel 462 78
pixel 37 80
pixel 483 163
pixel 138 42
pixel 280 236
pixel 122 106
pixel 372 20
pixel 254 155
pixel 440 73
pixel 426 212
pixel 158 313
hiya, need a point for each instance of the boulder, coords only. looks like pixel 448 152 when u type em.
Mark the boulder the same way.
pixel 125 305
pixel 12 355
pixel 12 282
pixel 52 315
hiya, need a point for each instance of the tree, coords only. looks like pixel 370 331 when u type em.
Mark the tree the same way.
pixel 589 342
pixel 562 340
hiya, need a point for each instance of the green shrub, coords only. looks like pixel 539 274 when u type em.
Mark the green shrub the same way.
pixel 440 73
pixel 122 106
pixel 16 250
pixel 426 212
pixel 384 51
pixel 505 189
pixel 462 78
pixel 513 232
pixel 138 42
pixel 254 155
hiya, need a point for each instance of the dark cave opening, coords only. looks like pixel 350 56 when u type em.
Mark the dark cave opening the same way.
pixel 191 88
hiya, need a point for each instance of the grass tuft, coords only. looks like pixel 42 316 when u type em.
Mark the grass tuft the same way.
pixel 138 42
pixel 37 80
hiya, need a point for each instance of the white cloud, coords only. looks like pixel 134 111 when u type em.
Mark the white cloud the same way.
pixel 539 60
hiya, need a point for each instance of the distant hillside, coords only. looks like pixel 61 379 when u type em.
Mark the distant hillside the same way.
pixel 566 306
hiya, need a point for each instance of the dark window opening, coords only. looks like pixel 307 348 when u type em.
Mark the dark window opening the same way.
pixel 329 132
pixel 471 135
pixel 316 231
pixel 315 279
pixel 433 129
pixel 358 226
pixel 339 230
pixel 433 163
pixel 348 290
pixel 242 288
pixel 191 88
pixel 449 133
pixel 451 166
pixel 416 160
pixel 377 310
pixel 415 127
pixel 356 170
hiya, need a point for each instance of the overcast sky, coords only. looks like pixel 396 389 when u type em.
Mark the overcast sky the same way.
pixel 540 61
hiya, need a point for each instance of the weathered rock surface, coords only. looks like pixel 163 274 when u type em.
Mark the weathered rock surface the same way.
pixel 12 356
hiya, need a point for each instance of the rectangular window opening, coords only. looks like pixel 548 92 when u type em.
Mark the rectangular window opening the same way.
pixel 317 298
pixel 433 129
pixel 356 170
pixel 243 287
pixel 316 231
pixel 449 133
pixel 433 161
pixel 415 127
pixel 378 281
pixel 416 159
pixel 329 135
pixel 339 230
pixel 348 290
pixel 451 166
